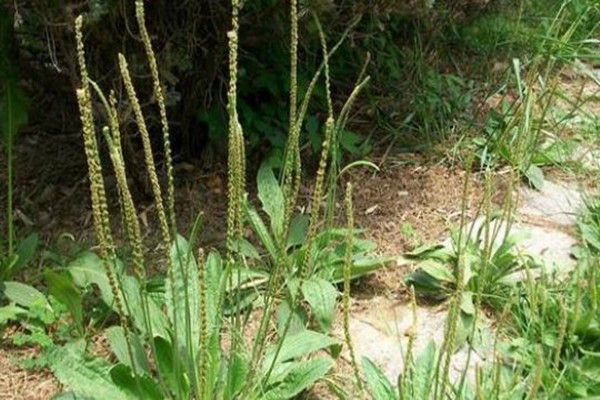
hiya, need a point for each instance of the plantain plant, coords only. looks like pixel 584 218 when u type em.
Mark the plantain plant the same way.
pixel 185 334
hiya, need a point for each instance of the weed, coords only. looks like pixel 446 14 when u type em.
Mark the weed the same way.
pixel 178 323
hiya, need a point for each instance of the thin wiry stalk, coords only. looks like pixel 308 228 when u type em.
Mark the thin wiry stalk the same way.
pixel 454 311
pixel 158 94
pixel 346 295
pixel 412 336
pixel 293 157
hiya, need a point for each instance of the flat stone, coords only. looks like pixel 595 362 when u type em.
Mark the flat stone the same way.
pixel 558 203
pixel 382 332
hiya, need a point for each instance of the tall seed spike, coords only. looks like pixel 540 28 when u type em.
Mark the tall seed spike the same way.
pixel 316 198
pixel 148 155
pixel 158 94
pixel 236 166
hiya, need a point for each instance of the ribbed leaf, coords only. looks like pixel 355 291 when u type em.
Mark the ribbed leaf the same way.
pixel 422 379
pixel 298 231
pixel 237 369
pixel 379 386
pixel 142 386
pixel 321 296
pixel 22 294
pixel 271 197
pixel 13 112
pixel 88 269
pixel 131 290
pixel 11 313
pixel 182 297
pixel 177 382
pixel 298 345
pixel 89 378
pixel 118 344
pixel 301 376
pixel 213 267
pixel 261 230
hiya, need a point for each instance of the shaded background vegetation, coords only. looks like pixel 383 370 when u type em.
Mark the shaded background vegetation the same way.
pixel 428 61
pixel 411 76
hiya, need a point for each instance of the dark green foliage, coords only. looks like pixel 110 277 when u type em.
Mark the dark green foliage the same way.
pixel 190 38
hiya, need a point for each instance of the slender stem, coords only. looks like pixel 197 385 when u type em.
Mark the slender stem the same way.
pixel 9 200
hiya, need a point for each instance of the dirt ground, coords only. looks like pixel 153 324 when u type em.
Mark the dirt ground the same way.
pixel 17 383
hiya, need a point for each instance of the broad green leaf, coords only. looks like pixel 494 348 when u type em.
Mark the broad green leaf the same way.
pixel 466 303
pixel 182 296
pixel 213 267
pixel 321 296
pixel 131 292
pixel 535 176
pixel 22 294
pixel 424 368
pixel 361 266
pixel 271 197
pixel 298 345
pixel 435 252
pixel 379 386
pixel 64 290
pixel 298 231
pixel 141 385
pixel 165 361
pixel 11 313
pixel 246 278
pixel 558 152
pixel 464 329
pixel 590 236
pixel 437 270
pixel 298 322
pixel 261 230
pixel 303 375
pixel 85 377
pixel 88 269
pixel 25 251
pixel 118 344
pixel 237 369
pixel 428 284
pixel 246 249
